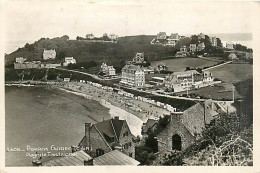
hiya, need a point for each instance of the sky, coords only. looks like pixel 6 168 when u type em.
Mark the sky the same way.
pixel 30 20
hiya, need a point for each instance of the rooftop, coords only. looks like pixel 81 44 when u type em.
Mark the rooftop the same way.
pixel 132 67
pixel 77 160
pixel 111 127
pixel 115 157
pixel 186 72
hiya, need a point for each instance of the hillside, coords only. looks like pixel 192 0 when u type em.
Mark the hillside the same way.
pixel 113 53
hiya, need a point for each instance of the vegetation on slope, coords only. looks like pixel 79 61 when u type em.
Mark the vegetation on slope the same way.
pixel 82 51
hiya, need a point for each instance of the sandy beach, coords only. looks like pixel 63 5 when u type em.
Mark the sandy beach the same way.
pixel 135 123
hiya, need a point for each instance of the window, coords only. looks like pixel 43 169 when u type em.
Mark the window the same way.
pixel 126 133
pixel 99 152
pixel 130 144
pixel 130 154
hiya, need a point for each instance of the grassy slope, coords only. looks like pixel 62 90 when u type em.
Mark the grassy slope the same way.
pixel 125 49
pixel 180 64
pixel 233 73
pixel 245 88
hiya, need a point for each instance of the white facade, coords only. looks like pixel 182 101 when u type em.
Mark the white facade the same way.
pixel 229 45
pixel 193 47
pixel 183 49
pixel 20 60
pixel 139 58
pixel 174 36
pixel 133 76
pixel 187 80
pixel 49 54
pixel 201 36
pixel 113 36
pixel 214 41
pixel 173 39
pixel 69 60
pixel 90 36
pixel 162 35
pixel 108 70
pixel 201 46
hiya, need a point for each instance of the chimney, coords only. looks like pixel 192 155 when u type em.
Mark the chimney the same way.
pixel 116 117
pixel 87 134
pixel 88 162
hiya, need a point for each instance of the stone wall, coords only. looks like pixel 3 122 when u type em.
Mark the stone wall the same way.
pixel 174 127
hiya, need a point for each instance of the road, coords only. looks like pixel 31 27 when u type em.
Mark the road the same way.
pixel 149 92
pixel 88 74
pixel 164 95
pixel 201 57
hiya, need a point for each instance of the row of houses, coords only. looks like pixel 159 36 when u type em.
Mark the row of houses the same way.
pixel 181 132
pixel 107 70
pixel 185 50
pixel 163 39
pixel 108 141
pixel 148 100
pixel 184 128
pixel 112 37
pixel 21 63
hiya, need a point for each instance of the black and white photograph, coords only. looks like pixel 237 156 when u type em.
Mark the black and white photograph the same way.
pixel 127 83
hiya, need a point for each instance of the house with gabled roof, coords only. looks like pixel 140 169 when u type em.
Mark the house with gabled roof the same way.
pixel 161 35
pixel 108 135
pixel 151 124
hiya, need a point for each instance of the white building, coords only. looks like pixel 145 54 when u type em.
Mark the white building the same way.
pixel 174 36
pixel 201 46
pixel 213 41
pixel 229 45
pixel 90 36
pixel 187 80
pixel 69 60
pixel 193 47
pixel 201 36
pixel 133 76
pixel 49 54
pixel 20 60
pixel 66 79
pixel 161 35
pixel 108 70
pixel 139 58
pixel 183 49
pixel 113 36
pixel 173 39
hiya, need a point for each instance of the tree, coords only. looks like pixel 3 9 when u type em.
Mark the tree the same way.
pixel 219 43
pixel 151 142
pixel 61 55
pixel 227 142
pixel 65 37
pixel 194 39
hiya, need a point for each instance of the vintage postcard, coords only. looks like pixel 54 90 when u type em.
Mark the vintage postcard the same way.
pixel 161 84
